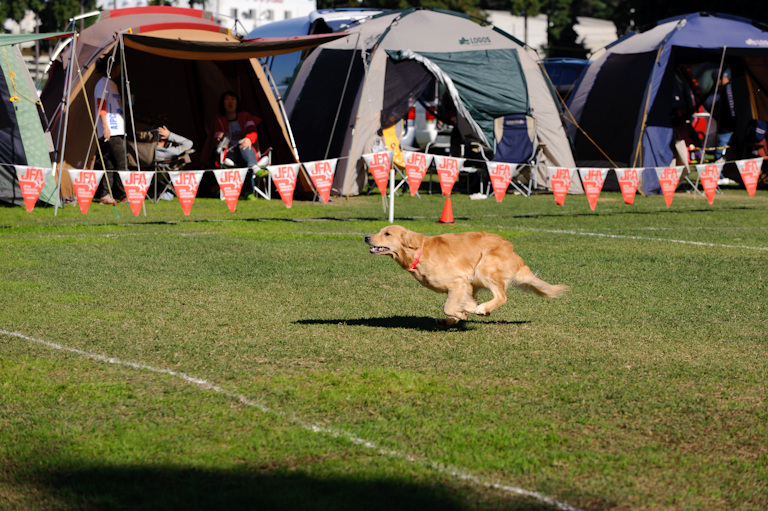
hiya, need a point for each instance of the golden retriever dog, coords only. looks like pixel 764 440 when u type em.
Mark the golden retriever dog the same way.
pixel 461 265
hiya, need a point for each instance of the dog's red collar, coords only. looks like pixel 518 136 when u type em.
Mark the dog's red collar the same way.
pixel 415 262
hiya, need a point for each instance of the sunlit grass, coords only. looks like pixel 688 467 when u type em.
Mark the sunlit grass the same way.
pixel 644 388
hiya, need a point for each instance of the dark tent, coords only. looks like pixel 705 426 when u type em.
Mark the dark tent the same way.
pixel 632 97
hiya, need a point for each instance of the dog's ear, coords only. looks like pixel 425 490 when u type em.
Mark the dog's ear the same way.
pixel 413 240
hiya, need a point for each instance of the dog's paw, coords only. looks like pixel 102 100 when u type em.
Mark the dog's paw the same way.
pixel 481 310
pixel 446 322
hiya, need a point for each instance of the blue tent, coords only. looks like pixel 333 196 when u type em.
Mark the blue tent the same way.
pixel 632 97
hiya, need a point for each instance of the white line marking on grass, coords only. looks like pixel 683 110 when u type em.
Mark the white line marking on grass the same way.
pixel 642 238
pixel 335 433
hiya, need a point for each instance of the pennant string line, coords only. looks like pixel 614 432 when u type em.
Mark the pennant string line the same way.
pixel 162 171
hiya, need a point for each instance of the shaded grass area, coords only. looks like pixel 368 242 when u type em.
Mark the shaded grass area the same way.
pixel 116 440
pixel 642 389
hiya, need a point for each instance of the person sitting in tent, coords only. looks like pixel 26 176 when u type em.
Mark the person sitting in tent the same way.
pixel 170 153
pixel 170 146
pixel 110 129
pixel 235 132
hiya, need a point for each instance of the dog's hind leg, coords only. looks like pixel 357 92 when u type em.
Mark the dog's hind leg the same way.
pixel 459 296
pixel 499 299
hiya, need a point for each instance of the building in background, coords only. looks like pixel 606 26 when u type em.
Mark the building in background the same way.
pixel 248 13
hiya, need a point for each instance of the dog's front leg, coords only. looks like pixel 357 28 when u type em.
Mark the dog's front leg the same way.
pixel 458 295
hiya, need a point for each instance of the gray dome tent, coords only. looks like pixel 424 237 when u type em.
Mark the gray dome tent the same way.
pixel 348 90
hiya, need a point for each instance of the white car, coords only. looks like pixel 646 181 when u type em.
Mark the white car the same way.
pixel 423 130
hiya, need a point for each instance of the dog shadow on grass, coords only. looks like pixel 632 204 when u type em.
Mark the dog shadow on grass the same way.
pixel 409 322
pixel 152 487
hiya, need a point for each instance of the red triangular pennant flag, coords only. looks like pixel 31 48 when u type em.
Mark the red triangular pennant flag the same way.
pixel 416 165
pixel 85 183
pixel 136 185
pixel 185 184
pixel 379 165
pixel 284 177
pixel 501 175
pixel 448 171
pixel 31 182
pixel 560 180
pixel 709 174
pixel 668 179
pixel 593 180
pixel 629 180
pixel 321 172
pixel 230 182
pixel 750 170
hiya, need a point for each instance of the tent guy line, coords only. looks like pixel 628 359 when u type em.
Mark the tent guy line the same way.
pixel 332 432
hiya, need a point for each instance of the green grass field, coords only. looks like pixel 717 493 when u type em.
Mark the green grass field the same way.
pixel 263 359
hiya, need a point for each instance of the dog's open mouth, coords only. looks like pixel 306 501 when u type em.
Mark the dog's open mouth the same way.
pixel 378 250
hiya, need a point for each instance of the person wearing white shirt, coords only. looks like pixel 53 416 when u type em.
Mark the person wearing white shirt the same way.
pixel 110 129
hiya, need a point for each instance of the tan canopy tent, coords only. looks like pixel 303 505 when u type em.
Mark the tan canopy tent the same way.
pixel 348 90
pixel 177 63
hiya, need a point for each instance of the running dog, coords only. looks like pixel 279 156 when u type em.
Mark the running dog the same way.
pixel 461 265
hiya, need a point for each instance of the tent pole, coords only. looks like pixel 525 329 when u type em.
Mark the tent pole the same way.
pixel 645 110
pixel 124 70
pixel 709 121
pixel 282 108
pixel 357 116
pixel 341 100
pixel 103 95
pixel 392 192
pixel 63 136
pixel 127 85
pixel 63 96
pixel 90 116
pixel 93 122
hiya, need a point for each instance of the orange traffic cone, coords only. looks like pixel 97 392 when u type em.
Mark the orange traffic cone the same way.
pixel 447 216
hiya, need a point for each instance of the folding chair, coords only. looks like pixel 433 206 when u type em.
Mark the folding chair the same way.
pixel 146 147
pixel 473 151
pixel 265 181
pixel 517 142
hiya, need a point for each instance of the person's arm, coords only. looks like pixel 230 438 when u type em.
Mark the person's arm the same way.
pixel 218 128
pixel 104 89
pixel 184 143
pixel 251 121
pixel 100 105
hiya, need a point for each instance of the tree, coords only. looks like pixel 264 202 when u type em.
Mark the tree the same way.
pixel 56 14
pixel 637 14
pixel 16 9
pixel 471 7
pixel 562 39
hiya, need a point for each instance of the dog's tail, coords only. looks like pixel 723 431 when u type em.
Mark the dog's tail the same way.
pixel 525 280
